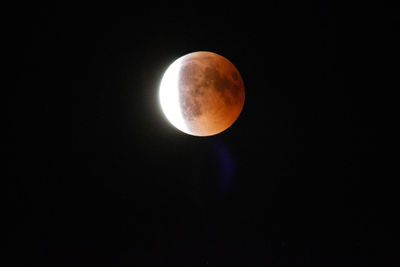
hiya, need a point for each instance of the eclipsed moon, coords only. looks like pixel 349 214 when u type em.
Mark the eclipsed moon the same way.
pixel 202 93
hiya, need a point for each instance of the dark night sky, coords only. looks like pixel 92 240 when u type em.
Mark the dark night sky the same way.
pixel 98 177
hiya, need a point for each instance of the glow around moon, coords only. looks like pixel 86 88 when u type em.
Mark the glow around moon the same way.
pixel 202 93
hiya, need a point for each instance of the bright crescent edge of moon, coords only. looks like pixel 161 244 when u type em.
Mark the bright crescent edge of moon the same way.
pixel 169 97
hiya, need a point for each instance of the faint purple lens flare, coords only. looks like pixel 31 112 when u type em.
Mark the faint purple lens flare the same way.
pixel 226 168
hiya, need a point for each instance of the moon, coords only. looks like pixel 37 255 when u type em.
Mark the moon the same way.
pixel 202 93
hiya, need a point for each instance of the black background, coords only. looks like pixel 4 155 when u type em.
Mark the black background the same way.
pixel 98 177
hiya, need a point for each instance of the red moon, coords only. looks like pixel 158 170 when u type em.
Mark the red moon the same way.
pixel 202 93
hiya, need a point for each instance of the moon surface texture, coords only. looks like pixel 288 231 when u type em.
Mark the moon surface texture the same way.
pixel 202 93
